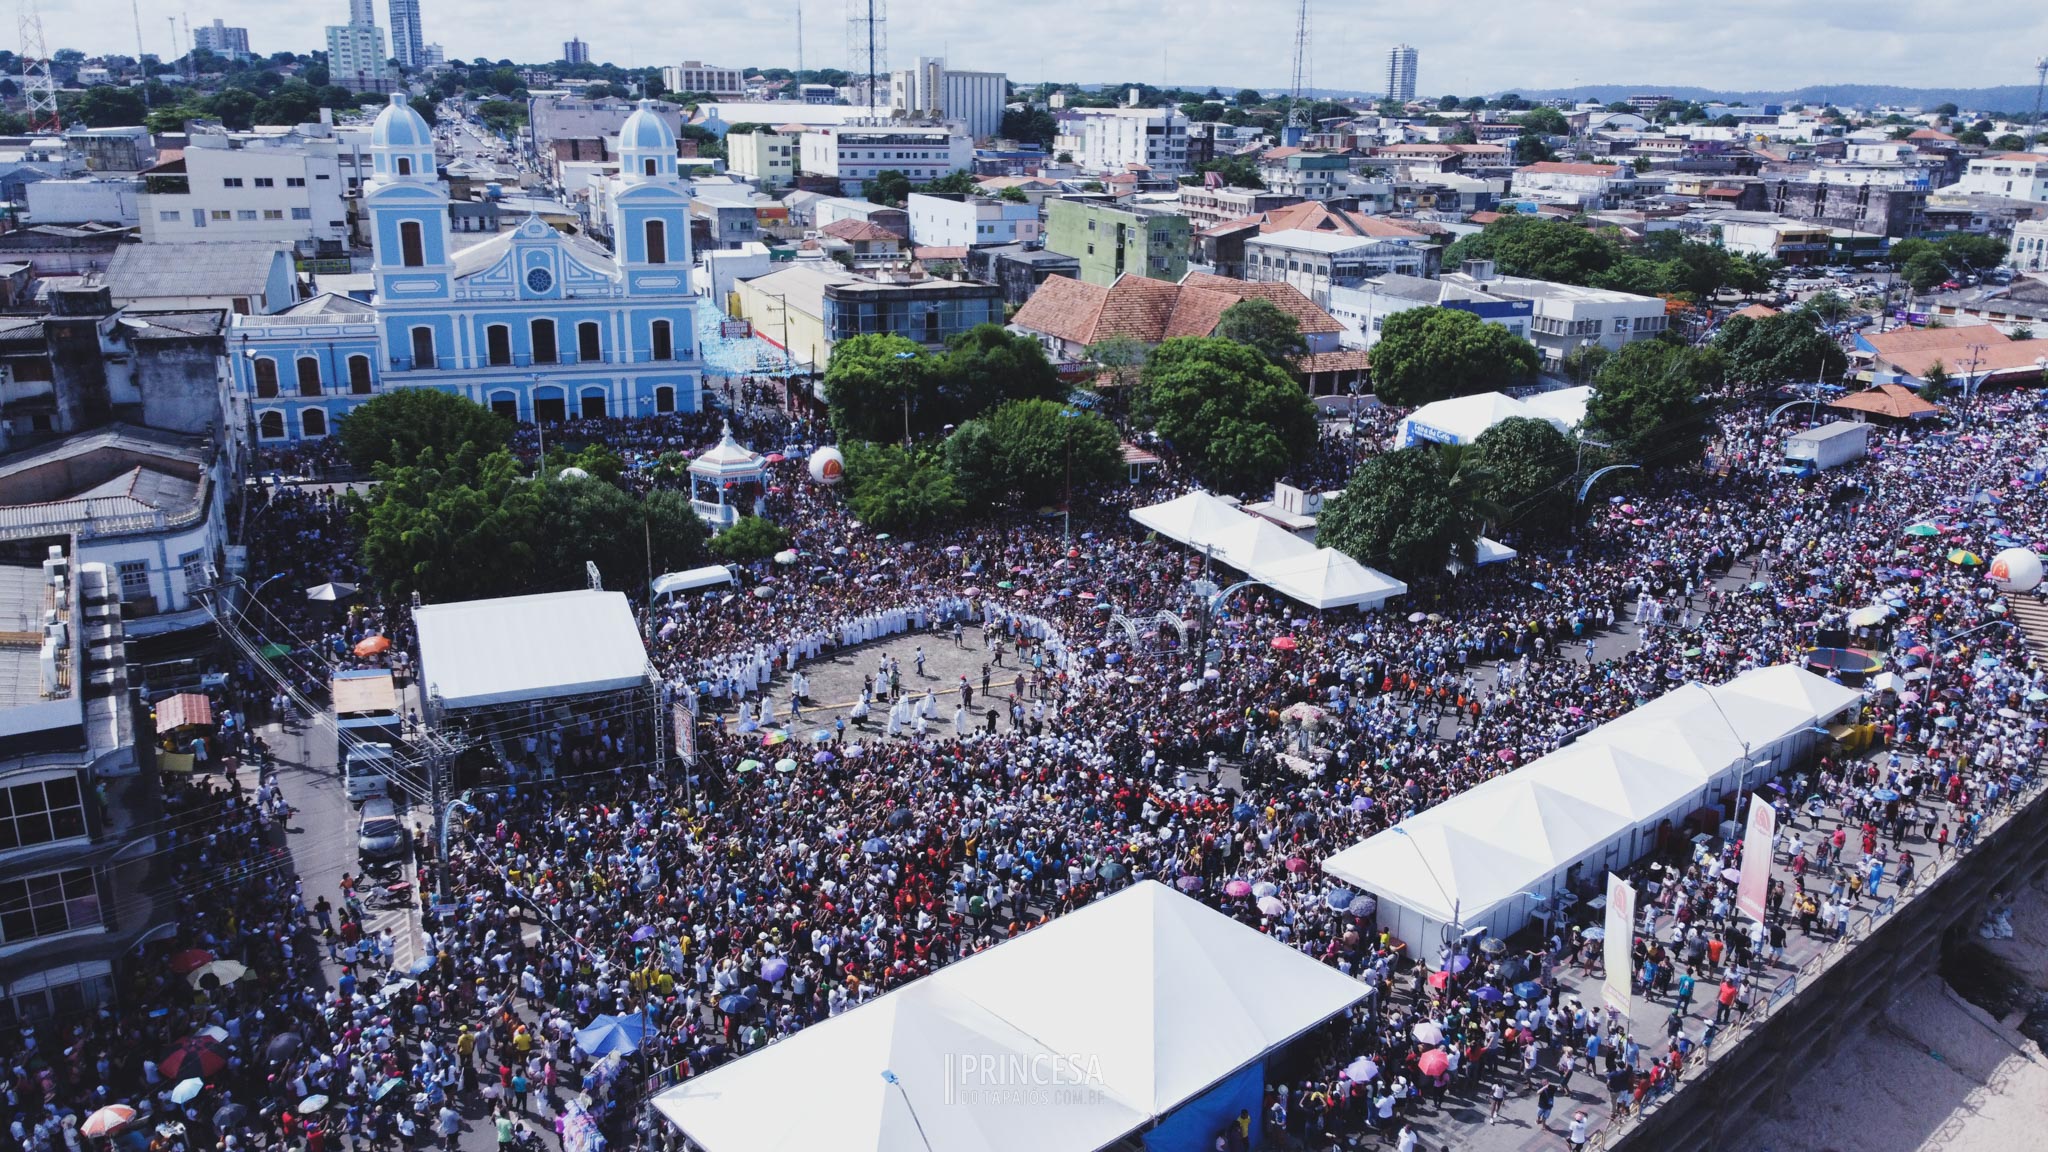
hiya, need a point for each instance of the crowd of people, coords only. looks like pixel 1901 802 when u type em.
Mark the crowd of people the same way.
pixel 720 915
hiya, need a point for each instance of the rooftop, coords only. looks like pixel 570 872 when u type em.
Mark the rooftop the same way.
pixel 229 268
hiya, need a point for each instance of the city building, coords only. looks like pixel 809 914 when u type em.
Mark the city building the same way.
pixel 284 186
pixel 853 154
pixel 1566 317
pixel 1646 103
pixel 118 150
pixel 238 276
pixel 2029 248
pixel 1110 240
pixel 2018 174
pixel 956 221
pixel 532 323
pixel 1363 308
pixel 433 58
pixel 1221 247
pixel 150 505
pixel 355 52
pixel 859 244
pixel 1894 210
pixel 932 91
pixel 221 40
pixel 83 363
pixel 764 159
pixel 1401 73
pixel 697 77
pixel 809 307
pixel 1116 140
pixel 408 45
pixel 79 878
pixel 108 201
pixel 1018 269
pixel 1206 206
pixel 1067 316
pixel 1315 262
pixel 575 51
pixel 829 210
pixel 1583 187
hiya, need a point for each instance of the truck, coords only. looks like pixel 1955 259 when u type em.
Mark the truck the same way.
pixel 1828 446
pixel 366 771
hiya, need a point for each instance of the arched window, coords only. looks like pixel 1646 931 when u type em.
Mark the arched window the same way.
pixel 309 376
pixel 405 165
pixel 505 404
pixel 266 378
pixel 423 347
pixel 593 406
pixel 270 425
pixel 542 332
pixel 359 375
pixel 657 242
pixel 412 244
pixel 589 342
pixel 664 399
pixel 498 345
pixel 664 341
pixel 313 422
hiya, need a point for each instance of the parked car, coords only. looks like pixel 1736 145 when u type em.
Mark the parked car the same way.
pixel 380 836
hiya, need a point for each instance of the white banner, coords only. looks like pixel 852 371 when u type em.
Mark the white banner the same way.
pixel 1619 946
pixel 1754 886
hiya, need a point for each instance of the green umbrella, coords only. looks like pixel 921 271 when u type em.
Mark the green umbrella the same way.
pixel 1923 530
pixel 1005 584
pixel 747 766
pixel 273 651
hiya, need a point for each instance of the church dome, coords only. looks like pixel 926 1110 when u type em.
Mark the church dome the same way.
pixel 645 130
pixel 398 126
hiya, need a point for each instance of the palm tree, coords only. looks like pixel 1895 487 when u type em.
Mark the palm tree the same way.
pixel 1470 486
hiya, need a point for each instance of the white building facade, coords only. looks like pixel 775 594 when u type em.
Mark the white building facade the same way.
pixel 284 187
pixel 2027 253
pixel 2020 175
pixel 355 58
pixel 697 76
pixel 222 40
pixel 766 159
pixel 857 153
pixel 969 221
pixel 1566 317
pixel 1111 140
pixel 1315 262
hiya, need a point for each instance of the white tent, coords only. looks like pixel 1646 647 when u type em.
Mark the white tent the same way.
pixel 1257 544
pixel 1127 1009
pixel 1196 519
pixel 1564 407
pixel 1459 420
pixel 1492 552
pixel 1474 860
pixel 1327 578
pixel 516 648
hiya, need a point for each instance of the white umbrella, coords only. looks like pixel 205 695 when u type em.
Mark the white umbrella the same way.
pixel 1264 888
pixel 312 1104
pixel 1429 1033
pixel 1271 906
pixel 1362 1069
pixel 187 1090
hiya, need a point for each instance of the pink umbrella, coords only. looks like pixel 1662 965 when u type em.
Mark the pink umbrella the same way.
pixel 1239 888
pixel 1296 864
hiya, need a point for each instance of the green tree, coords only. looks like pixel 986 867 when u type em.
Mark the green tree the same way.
pixel 1647 401
pixel 892 488
pixel 1028 126
pixel 452 530
pixel 889 187
pixel 1260 324
pixel 1447 104
pixel 961 183
pixel 1033 452
pixel 1248 98
pixel 1427 354
pixel 1827 307
pixel 1236 171
pixel 984 366
pixel 1583 363
pixel 591 520
pixel 1924 270
pixel 1238 419
pixel 105 106
pixel 2010 142
pixel 1531 149
pixel 396 427
pixel 1406 512
pixel 1525 464
pixel 502 115
pixel 1967 250
pixel 1934 382
pixel 874 383
pixel 749 539
pixel 1012 194
pixel 1782 349
pixel 235 108
pixel 1537 247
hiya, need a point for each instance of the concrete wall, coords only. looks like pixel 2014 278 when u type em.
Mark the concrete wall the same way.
pixel 1753 1073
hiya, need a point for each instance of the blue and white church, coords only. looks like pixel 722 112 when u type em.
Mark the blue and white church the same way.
pixel 532 323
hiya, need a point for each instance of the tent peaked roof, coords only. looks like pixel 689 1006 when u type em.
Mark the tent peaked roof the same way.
pixel 727 457
pixel 1257 543
pixel 1614 778
pixel 1790 684
pixel 1190 519
pixel 1327 578
pixel 1893 400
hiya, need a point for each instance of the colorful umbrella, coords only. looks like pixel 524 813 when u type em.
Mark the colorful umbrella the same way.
pixel 191 958
pixel 1433 1062
pixel 1285 643
pixel 193 1056
pixel 1923 529
pixel 1965 558
pixel 107 1119
pixel 372 645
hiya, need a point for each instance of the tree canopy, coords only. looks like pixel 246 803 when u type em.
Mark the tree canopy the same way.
pixel 1524 465
pixel 1262 325
pixel 1238 419
pixel 879 383
pixel 396 427
pixel 1428 354
pixel 893 488
pixel 749 539
pixel 1648 401
pixel 1560 250
pixel 1407 512
pixel 1027 451
pixel 1781 349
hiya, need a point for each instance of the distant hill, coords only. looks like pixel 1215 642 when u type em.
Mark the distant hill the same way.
pixel 2017 99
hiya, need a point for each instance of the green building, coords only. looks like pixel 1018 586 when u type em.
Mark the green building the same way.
pixel 1109 240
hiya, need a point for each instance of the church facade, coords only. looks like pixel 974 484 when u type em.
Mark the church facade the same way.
pixel 532 323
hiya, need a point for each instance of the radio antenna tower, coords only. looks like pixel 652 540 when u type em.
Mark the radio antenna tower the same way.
pixel 867 34
pixel 36 83
pixel 1297 106
pixel 141 61
pixel 799 46
pixel 2041 70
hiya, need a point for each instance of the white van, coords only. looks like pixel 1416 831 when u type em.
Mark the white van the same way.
pixel 366 772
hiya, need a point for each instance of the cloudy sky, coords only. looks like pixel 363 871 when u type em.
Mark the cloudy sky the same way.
pixel 1465 46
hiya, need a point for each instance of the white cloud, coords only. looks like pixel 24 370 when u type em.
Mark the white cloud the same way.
pixel 1465 46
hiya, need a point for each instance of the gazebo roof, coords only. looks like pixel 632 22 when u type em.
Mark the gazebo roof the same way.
pixel 728 457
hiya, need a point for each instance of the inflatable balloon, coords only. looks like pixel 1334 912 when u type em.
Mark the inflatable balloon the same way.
pixel 2015 570
pixel 828 467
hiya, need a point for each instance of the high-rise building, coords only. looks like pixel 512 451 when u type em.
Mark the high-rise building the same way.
pixel 222 40
pixel 362 12
pixel 576 51
pixel 934 91
pixel 1401 73
pixel 355 51
pixel 709 79
pixel 433 56
pixel 408 45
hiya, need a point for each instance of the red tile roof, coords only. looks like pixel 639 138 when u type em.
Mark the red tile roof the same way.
pixel 1344 360
pixel 1064 308
pixel 1757 312
pixel 1316 216
pixel 1154 310
pixel 1483 218
pixel 1567 168
pixel 948 252
pixel 857 230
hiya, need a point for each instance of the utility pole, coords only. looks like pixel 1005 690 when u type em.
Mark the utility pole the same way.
pixel 2040 82
pixel 141 61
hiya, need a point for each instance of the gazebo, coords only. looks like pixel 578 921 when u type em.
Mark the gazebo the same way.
pixel 719 479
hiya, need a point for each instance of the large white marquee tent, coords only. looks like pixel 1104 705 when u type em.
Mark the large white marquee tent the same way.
pixel 1463 419
pixel 1318 577
pixel 478 653
pixel 1495 856
pixel 1127 1009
